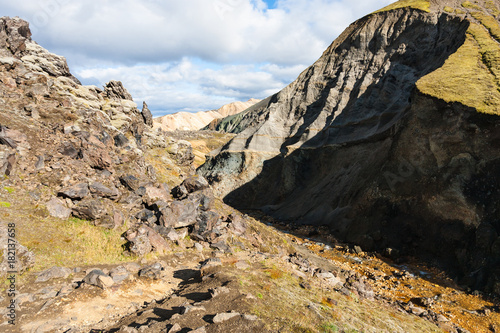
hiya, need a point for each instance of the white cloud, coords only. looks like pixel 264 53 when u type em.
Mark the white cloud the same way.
pixel 197 50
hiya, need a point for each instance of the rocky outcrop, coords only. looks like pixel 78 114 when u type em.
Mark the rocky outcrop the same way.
pixel 357 145
pixel 186 121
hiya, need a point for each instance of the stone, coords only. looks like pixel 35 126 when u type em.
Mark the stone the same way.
pixel 146 215
pixel 154 271
pixel 101 190
pixel 250 317
pixel 7 163
pixel 57 209
pixel 99 279
pixel 157 242
pixel 68 149
pixel 211 262
pixel 97 158
pixel 221 246
pixel 238 225
pixel 201 329
pixel 195 183
pixel 179 214
pixel 222 317
pixel 130 182
pixel 120 140
pixel 89 209
pixel 53 273
pixel 76 192
pixel 140 245
pixel 11 138
pixel 205 223
pixel 175 328
pixel 146 115
pixel 40 163
pixel 154 194
pixel 119 274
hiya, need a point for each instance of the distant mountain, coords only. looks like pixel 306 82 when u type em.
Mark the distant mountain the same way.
pixel 186 121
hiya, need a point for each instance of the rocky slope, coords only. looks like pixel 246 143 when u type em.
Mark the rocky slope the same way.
pixel 390 139
pixel 112 231
pixel 186 121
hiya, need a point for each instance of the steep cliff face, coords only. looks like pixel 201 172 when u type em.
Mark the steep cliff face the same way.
pixel 380 140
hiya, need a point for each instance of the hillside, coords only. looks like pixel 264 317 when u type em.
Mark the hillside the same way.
pixel 186 121
pixel 389 140
pixel 105 227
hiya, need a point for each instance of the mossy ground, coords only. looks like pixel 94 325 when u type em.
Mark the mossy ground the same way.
pixel 471 76
pixel 423 5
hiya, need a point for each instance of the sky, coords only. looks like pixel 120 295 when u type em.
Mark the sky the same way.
pixel 189 55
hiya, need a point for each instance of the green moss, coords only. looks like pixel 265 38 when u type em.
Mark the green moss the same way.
pixel 9 189
pixel 5 204
pixel 470 76
pixel 423 5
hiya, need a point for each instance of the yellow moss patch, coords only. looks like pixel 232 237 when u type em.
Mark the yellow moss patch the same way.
pixel 448 9
pixel 470 76
pixel 416 4
pixel 72 243
pixel 489 22
pixel 470 5
pixel 492 8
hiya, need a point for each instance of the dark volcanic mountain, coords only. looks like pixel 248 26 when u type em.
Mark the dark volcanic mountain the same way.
pixel 391 139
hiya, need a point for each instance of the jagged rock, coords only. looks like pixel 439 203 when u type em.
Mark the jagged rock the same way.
pixel 140 245
pixel 57 209
pixel 98 158
pixel 175 328
pixel 99 279
pixel 120 140
pixel 154 194
pixel 211 262
pixel 180 192
pixel 222 317
pixel 237 225
pixel 221 246
pixel 119 274
pixel 146 114
pixel 53 273
pixel 40 163
pixel 11 138
pixel 76 192
pixel 146 215
pixel 89 209
pixel 205 222
pixel 130 182
pixel 115 89
pixel 100 190
pixel 68 149
pixel 7 162
pixel 179 214
pixel 195 183
pixel 154 271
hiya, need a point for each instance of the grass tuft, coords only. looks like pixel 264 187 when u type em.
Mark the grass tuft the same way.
pixel 423 5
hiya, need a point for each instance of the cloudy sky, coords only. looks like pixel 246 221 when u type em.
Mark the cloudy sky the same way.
pixel 189 55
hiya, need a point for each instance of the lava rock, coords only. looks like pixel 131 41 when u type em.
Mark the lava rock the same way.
pixel 57 209
pixel 77 192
